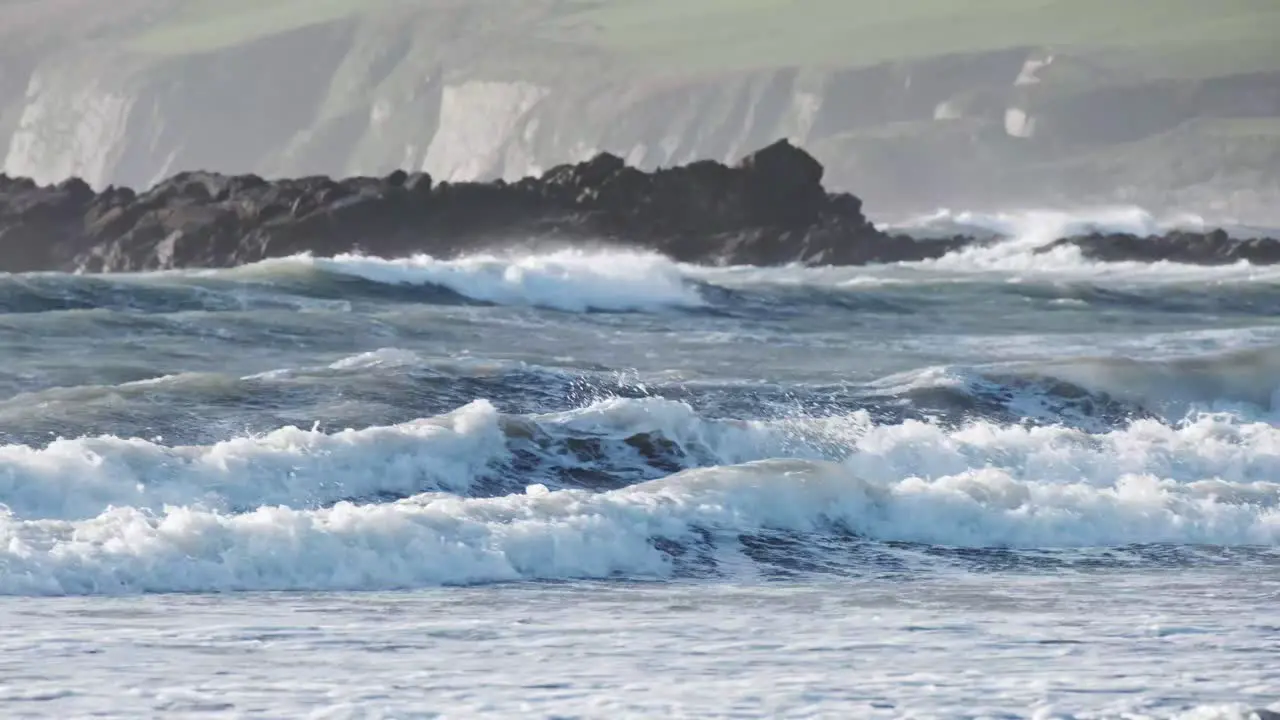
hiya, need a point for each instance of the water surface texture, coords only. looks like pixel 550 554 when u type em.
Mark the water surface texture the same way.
pixel 999 484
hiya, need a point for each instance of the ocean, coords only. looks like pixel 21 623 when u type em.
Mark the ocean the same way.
pixel 1001 484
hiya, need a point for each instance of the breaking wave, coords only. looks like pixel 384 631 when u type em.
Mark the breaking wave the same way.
pixel 618 280
pixel 1243 382
pixel 615 488
pixel 542 534
pixel 1059 223
pixel 570 280
pixel 1026 232
pixel 1062 453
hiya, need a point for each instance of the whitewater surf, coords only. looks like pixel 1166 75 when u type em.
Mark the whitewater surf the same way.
pixel 1002 457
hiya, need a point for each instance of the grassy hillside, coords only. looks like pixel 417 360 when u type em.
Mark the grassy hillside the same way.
pixel 1196 37
pixel 1135 96
pixel 1179 38
pixel 205 25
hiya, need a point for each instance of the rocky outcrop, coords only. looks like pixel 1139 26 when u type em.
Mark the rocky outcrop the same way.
pixel 1196 248
pixel 769 209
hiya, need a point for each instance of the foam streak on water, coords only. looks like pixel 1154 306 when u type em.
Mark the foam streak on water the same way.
pixel 957 648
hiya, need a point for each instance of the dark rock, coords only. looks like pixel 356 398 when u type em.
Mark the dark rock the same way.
pixel 118 194
pixel 597 170
pixel 1195 248
pixel 418 184
pixel 76 189
pixel 784 164
pixel 397 178
pixel 242 184
pixel 783 185
pixel 770 208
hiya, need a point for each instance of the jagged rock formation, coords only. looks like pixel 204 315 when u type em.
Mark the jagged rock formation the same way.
pixel 1179 246
pixel 769 209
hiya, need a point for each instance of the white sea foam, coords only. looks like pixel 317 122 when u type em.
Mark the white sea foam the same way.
pixel 1008 262
pixel 108 515
pixel 1013 259
pixel 1117 218
pixel 290 466
pixel 382 357
pixel 633 280
pixel 1029 231
pixel 1183 644
pixel 76 479
pixel 444 539
pixel 570 280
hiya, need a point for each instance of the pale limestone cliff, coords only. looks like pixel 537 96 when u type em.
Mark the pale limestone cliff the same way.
pixel 371 95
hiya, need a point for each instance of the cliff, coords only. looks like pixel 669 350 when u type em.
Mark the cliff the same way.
pixel 912 110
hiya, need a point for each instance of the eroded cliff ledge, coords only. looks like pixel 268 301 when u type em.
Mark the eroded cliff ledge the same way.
pixel 769 209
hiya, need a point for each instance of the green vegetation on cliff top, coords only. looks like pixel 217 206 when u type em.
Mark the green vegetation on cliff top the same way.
pixel 1176 37
pixel 1200 37
pixel 206 25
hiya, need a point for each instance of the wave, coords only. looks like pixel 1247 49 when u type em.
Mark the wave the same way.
pixel 616 280
pixel 82 477
pixel 1027 232
pixel 477 451
pixel 1160 375
pixel 1013 255
pixel 1243 382
pixel 1228 711
pixel 567 280
pixel 157 292
pixel 470 451
pixel 439 539
pixel 570 280
pixel 1130 219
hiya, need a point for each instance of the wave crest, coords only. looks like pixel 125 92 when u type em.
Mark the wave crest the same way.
pixel 570 280
pixel 608 446
pixel 541 534
pixel 1106 391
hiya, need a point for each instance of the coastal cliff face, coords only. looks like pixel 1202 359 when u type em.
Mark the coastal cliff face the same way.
pixel 449 94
